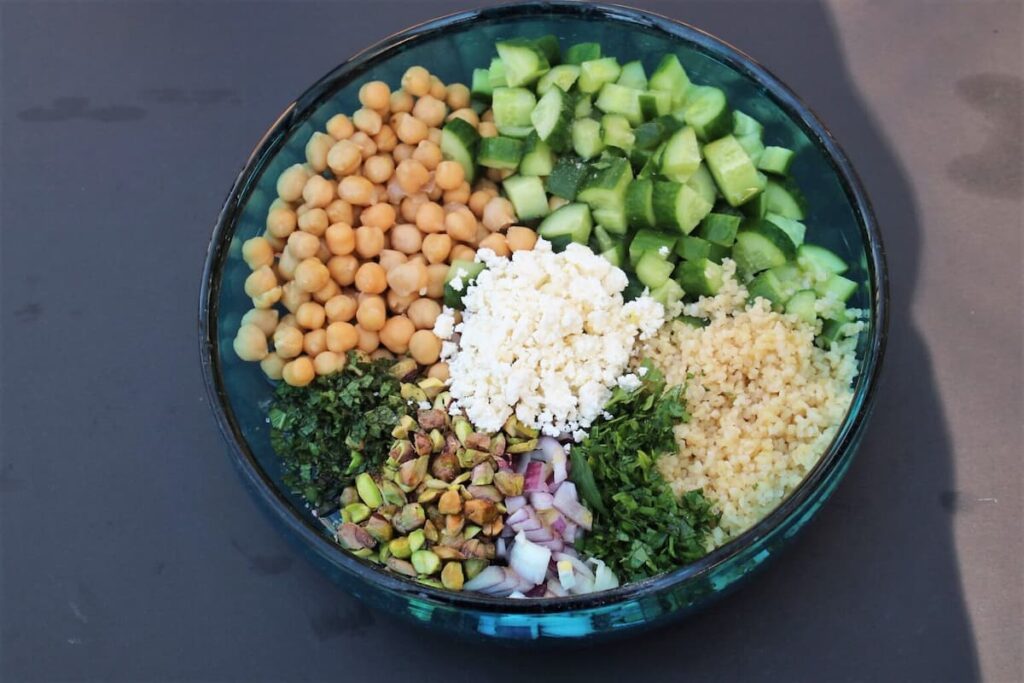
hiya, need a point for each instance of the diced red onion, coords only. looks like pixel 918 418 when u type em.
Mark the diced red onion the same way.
pixel 521 514
pixel 567 501
pixel 535 478
pixel 555 588
pixel 514 503
pixel 555 545
pixel 570 532
pixel 521 462
pixel 541 500
pixel 488 578
pixel 541 534
pixel 500 548
pixel 604 578
pixel 528 559
pixel 577 564
pixel 559 525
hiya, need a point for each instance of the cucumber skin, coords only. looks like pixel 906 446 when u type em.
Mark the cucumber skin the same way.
pixel 640 203
pixel 458 139
pixel 567 177
pixel 500 152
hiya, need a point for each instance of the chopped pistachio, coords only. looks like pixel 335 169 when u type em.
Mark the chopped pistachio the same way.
pixel 355 513
pixel 486 492
pixel 368 491
pixel 427 496
pixel 462 428
pixel 400 547
pixel 483 474
pixel 401 566
pixel 426 562
pixel 411 392
pixel 401 452
pixel 450 503
pixel 348 495
pixel 446 553
pixel 430 531
pixel 462 478
pixel 353 537
pixel 522 446
pixel 412 472
pixel 405 425
pixel 453 524
pixel 391 493
pixel 379 528
pixel 452 577
pixel 470 531
pixel 436 440
pixel 473 567
pixel 509 483
pixel 410 517
pixel 443 400
pixel 480 510
pixel 417 539
pixel 498 445
pixel 478 441
pixel 432 387
pixel 404 368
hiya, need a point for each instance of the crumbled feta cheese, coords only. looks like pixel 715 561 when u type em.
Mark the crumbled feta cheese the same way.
pixel 629 382
pixel 424 405
pixel 545 337
pixel 663 251
pixel 642 371
pixel 456 282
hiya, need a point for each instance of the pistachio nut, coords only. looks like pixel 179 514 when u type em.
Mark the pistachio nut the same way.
pixel 436 440
pixel 473 567
pixel 522 446
pixel 410 517
pixel 462 428
pixel 412 472
pixel 493 528
pixel 430 531
pixel 400 547
pixel 498 445
pixel 486 492
pixel 450 503
pixel 353 537
pixel 404 368
pixel 355 513
pixel 405 425
pixel 480 510
pixel 421 444
pixel 426 562
pixel 417 540
pixel 443 401
pixel 428 495
pixel 462 478
pixel 452 577
pixel 509 483
pixel 432 387
pixel 434 418
pixel 453 524
pixel 400 566
pixel 379 528
pixel 401 452
pixel 391 493
pixel 446 553
pixel 470 531
pixel 368 491
pixel 348 495
pixel 483 474
pixel 478 441
pixel 445 466
pixel 411 392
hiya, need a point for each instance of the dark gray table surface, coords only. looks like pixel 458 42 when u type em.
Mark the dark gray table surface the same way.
pixel 130 551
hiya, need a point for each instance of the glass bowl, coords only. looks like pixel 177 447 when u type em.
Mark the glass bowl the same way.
pixel 450 47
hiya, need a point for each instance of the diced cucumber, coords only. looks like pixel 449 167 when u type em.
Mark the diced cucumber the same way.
pixel 640 203
pixel 603 241
pixel 618 99
pixel 707 112
pixel 836 287
pixel 538 158
pixel 693 321
pixel 550 47
pixel 759 246
pixel 681 157
pixel 651 134
pixel 785 200
pixel 604 190
pixel 791 275
pixel 616 255
pixel 702 277
pixel 743 124
pixel 668 294
pixel 767 286
pixel 633 75
pixel 612 217
pixel 678 206
pixel 481 86
pixel 527 196
pixel 670 76
pixel 500 152
pixel 567 176
pixel 552 119
pixel 596 72
pixel 801 304
pixel 512 108
pixel 584 106
pixel 463 274
pixel 820 259
pixel 692 248
pixel 704 184
pixel 719 228
pixel 655 103
pixel 752 145
pixel 653 269
pixel 831 332
pixel 795 229
pixel 616 132
pixel 651 240
pixel 569 223
pixel 775 160
pixel 756 207
pixel 459 142
pixel 582 52
pixel 562 77
pixel 586 138
pixel 524 61
pixel 496 73
pixel 733 171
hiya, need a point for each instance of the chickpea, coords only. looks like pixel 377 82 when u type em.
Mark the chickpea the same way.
pixel 520 238
pixel 410 130
pixel 344 157
pixel 281 222
pixel 385 139
pixel 369 241
pixel 286 265
pixel 264 318
pixel 481 233
pixel 461 252
pixel 439 371
pixel 340 308
pixel 430 217
pixel 487 129
pixel 412 175
pixel 406 238
pixel 401 101
pixel 316 151
pixel 449 175
pixel 310 315
pixel 276 243
pixel 381 215
pixel 380 354
pixel 430 111
pixel 259 281
pixel 423 313
pixel 425 347
pixel 257 252
pixel 496 243
pixel 436 274
pixel 341 337
pixel 312 275
pixel 428 154
pixel 314 222
pixel 371 313
pixel 314 342
pixel 461 225
pixel 339 211
pixel 416 81
pixel 432 191
pixel 356 190
pixel 389 258
pixel 479 200
pixel 408 278
pixel 272 366
pixel 303 245
pixel 293 296
pixel 328 362
pixel 375 95
pixel 378 168
pixel 318 192
pixel 368 340
pixel 401 152
pixel 459 195
pixel 287 341
pixel 398 303
pixel 498 214
pixel 287 320
pixel 330 290
pixel 367 120
pixel 396 333
pixel 340 127
pixel 267 298
pixel 343 269
pixel 298 372
pixel 488 115
pixel 438 90
pixel 435 136
pixel 411 204
pixel 340 238
pixel 458 96
pixel 556 202
pixel 291 181
pixel 467 115
pixel 436 247
pixel 371 278
pixel 250 343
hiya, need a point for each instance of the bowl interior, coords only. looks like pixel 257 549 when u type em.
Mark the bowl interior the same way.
pixel 451 48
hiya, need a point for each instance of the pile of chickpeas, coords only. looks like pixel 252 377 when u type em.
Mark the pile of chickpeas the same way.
pixel 359 241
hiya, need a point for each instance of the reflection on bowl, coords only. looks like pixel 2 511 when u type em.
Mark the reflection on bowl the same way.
pixel 451 47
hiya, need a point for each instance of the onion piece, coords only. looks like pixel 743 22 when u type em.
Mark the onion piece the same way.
pixel 521 514
pixel 541 534
pixel 567 501
pixel 570 532
pixel 521 462
pixel 577 564
pixel 604 578
pixel 513 503
pixel 488 578
pixel 528 559
pixel 547 448
pixel 555 588
pixel 516 595
pixel 566 574
pixel 541 500
pixel 559 467
pixel 500 548
pixel 535 478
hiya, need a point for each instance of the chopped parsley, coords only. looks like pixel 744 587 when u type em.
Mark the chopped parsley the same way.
pixel 641 528
pixel 336 427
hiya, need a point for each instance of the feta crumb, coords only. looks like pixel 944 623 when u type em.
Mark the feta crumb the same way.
pixel 642 371
pixel 663 251
pixel 629 382
pixel 424 405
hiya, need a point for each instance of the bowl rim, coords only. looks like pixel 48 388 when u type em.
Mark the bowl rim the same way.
pixel 311 533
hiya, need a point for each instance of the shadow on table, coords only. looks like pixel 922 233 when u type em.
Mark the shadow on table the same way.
pixel 871 591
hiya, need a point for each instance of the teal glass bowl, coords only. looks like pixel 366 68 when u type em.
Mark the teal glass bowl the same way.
pixel 840 218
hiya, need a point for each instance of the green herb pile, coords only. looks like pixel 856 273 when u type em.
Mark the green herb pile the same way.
pixel 336 427
pixel 641 528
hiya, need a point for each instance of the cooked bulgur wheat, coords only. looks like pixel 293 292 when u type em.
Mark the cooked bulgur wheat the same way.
pixel 764 402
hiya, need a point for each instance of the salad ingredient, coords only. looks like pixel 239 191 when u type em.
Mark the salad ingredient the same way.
pixel 544 337
pixel 641 528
